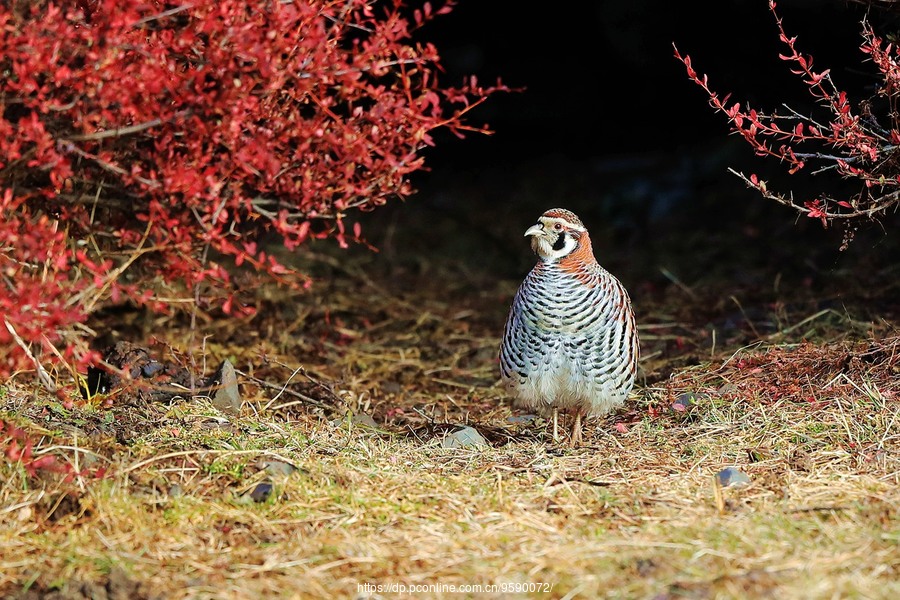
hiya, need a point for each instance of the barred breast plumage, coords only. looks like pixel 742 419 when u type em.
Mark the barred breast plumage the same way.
pixel 570 342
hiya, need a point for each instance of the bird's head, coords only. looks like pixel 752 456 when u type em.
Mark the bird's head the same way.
pixel 557 234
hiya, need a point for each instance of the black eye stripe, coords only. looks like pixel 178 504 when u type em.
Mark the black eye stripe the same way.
pixel 560 242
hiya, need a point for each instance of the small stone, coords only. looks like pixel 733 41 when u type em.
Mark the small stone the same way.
pixel 176 491
pixel 521 419
pixel 732 476
pixel 223 385
pixel 464 437
pixel 277 467
pixel 684 402
pixel 363 419
pixel 152 368
pixel 261 492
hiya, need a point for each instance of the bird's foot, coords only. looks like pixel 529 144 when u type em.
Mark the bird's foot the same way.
pixel 555 426
pixel 575 438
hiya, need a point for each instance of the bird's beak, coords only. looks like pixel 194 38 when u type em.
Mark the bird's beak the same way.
pixel 537 229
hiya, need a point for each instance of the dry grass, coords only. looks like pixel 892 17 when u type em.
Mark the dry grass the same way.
pixel 631 514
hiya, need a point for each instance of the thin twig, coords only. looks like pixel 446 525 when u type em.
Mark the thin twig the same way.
pixel 284 387
pixel 281 389
pixel 111 133
pixel 681 285
pixel 42 373
pixel 165 13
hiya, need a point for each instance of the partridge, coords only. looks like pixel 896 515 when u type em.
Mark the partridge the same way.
pixel 570 343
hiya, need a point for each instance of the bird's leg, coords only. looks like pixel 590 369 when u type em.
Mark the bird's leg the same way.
pixel 575 438
pixel 555 425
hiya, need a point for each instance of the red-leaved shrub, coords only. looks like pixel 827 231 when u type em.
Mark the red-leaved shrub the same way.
pixel 17 446
pixel 149 142
pixel 858 141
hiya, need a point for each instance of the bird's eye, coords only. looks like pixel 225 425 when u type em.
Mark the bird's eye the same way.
pixel 558 226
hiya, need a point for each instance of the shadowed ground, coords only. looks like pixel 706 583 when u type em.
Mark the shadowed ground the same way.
pixel 765 349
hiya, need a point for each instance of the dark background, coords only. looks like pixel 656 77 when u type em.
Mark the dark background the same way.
pixel 608 125
pixel 601 79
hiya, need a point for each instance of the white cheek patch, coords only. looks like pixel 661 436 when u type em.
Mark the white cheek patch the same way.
pixel 566 249
pixel 545 250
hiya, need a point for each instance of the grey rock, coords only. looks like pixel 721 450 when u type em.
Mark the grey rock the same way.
pixel 224 392
pixel 521 419
pixel 685 402
pixel 464 437
pixel 261 491
pixel 277 467
pixel 732 476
